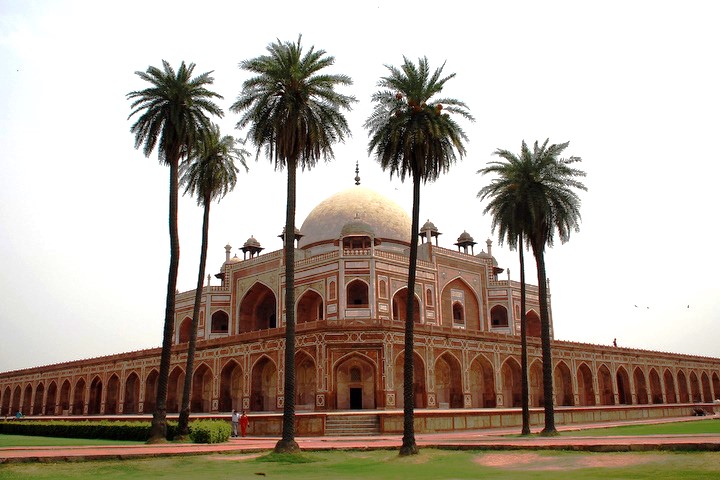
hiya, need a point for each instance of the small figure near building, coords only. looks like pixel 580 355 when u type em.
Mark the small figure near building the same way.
pixel 235 419
pixel 18 415
pixel 244 421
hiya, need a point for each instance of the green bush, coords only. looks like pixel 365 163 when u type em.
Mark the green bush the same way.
pixel 110 430
pixel 209 431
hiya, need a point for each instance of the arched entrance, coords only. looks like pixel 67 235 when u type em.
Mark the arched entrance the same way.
pixel 707 394
pixel 51 399
pixel 309 307
pixel 623 386
pixel 112 394
pixel 655 387
pixel 176 380
pixel 95 403
pixel 695 388
pixel 305 381
pixel 150 391
pixel 65 398
pixel 605 385
pixel 355 383
pixel 78 407
pixel 419 388
pixel 499 317
pixel 460 306
pixel 536 393
pixel 5 404
pixel 257 309
pixel 533 328
pixel 448 383
pixel 231 383
pixel 640 386
pixel 27 400
pixel 716 385
pixel 683 387
pixel 201 398
pixel 185 330
pixel 511 383
pixel 131 399
pixel 399 306
pixel 263 389
pixel 482 383
pixel 563 385
pixel 37 403
pixel 669 387
pixel 586 393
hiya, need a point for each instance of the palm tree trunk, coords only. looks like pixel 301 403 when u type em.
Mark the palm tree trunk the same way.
pixel 523 343
pixel 158 430
pixel 184 418
pixel 287 443
pixel 539 251
pixel 409 447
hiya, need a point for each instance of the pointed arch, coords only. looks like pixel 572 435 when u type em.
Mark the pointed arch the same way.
pixel 563 385
pixel 131 399
pixel 258 309
pixel 683 387
pixel 670 396
pixel 65 397
pixel 27 399
pixel 511 375
pixel 220 322
pixel 5 404
pixel 309 307
pixel 112 396
pixel 448 381
pixel 95 402
pixel 459 305
pixel 51 399
pixel 17 392
pixel 399 306
pixel 176 379
pixel 357 294
pixel 716 385
pixel 201 397
pixel 482 383
pixel 535 384
pixel 499 317
pixel 655 387
pixel 694 388
pixel 586 392
pixel 419 384
pixel 185 330
pixel 38 399
pixel 605 386
pixel 532 322
pixel 305 381
pixel 641 392
pixel 151 384
pixel 231 386
pixel 355 382
pixel 264 384
pixel 706 393
pixel 623 386
pixel 78 406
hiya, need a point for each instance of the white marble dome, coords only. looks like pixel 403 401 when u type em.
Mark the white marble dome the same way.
pixel 389 221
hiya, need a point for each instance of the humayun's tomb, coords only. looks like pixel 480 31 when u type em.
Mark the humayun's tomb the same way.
pixel 351 275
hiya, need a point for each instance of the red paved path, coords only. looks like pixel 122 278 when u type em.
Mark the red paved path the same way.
pixel 485 439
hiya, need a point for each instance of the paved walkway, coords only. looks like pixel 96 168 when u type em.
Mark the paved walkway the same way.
pixel 492 439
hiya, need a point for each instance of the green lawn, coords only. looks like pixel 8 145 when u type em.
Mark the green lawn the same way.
pixel 673 428
pixel 34 441
pixel 429 464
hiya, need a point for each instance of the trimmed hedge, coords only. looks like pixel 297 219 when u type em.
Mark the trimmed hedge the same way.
pixel 209 431
pixel 109 430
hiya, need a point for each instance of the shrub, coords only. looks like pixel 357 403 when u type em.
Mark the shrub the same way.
pixel 110 430
pixel 209 431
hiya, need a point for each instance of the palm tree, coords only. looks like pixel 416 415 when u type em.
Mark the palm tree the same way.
pixel 412 134
pixel 209 174
pixel 173 114
pixel 545 183
pixel 294 112
pixel 509 214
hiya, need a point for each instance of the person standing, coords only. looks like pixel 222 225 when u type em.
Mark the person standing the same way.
pixel 244 421
pixel 235 420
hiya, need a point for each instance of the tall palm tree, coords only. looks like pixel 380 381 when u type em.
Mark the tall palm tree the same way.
pixel 293 111
pixel 546 184
pixel 173 114
pixel 209 175
pixel 509 215
pixel 412 134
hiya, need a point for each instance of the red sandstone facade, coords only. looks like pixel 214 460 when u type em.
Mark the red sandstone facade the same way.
pixel 351 271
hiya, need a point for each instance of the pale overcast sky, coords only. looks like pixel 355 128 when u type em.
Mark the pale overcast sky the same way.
pixel 634 87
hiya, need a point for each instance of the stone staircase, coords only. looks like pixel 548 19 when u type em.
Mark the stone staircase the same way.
pixel 352 425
